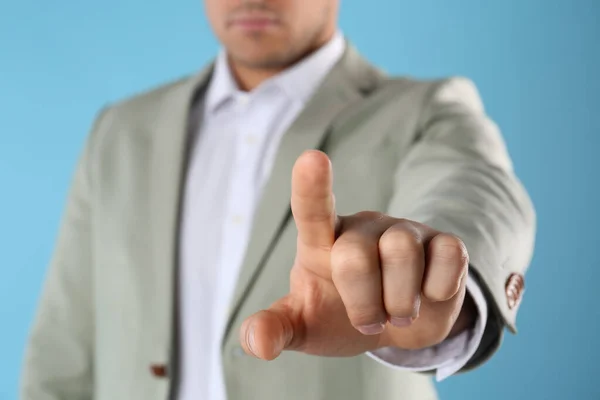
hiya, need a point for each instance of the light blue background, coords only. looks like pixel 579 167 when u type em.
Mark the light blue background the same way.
pixel 536 63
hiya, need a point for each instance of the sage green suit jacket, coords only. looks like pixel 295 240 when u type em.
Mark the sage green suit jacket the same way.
pixel 106 328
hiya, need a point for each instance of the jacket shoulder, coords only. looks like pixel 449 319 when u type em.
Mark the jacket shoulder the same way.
pixel 149 101
pixel 401 85
pixel 140 112
pixel 423 99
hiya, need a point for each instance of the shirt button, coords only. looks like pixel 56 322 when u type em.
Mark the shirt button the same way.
pixel 244 100
pixel 237 219
pixel 251 139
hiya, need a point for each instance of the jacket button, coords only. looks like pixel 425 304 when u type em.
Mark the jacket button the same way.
pixel 515 285
pixel 159 370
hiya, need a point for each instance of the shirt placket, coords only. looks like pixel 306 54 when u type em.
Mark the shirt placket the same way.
pixel 241 200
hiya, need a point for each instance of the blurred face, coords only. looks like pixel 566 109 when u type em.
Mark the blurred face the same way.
pixel 271 34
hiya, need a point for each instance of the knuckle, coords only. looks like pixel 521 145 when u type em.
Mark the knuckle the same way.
pixel 349 261
pixel 451 249
pixel 369 215
pixel 399 244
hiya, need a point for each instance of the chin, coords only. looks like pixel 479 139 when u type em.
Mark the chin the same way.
pixel 261 59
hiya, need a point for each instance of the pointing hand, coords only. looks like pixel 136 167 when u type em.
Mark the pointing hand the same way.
pixel 360 282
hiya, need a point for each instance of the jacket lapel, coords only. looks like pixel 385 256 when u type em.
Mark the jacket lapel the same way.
pixel 341 88
pixel 172 131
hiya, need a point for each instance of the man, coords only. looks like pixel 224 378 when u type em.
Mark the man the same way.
pixel 179 230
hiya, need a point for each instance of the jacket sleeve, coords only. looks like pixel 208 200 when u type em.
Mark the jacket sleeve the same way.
pixel 58 362
pixel 458 178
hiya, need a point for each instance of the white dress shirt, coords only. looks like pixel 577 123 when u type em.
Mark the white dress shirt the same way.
pixel 230 163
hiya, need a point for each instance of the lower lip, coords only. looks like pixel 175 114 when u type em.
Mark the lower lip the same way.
pixel 254 24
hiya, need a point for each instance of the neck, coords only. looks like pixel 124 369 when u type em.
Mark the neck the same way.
pixel 249 77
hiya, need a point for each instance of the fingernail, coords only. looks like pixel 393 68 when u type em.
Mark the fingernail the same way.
pixel 250 340
pixel 401 322
pixel 417 306
pixel 373 329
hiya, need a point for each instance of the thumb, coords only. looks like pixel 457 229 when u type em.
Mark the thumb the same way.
pixel 267 333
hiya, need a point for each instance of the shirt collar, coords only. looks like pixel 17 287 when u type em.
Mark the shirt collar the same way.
pixel 298 82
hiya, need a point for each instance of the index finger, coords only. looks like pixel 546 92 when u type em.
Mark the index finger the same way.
pixel 313 201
